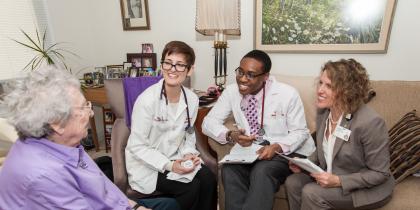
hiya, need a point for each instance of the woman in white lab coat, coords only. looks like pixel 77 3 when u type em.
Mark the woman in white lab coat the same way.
pixel 161 153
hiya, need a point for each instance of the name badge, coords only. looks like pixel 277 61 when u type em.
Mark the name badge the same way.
pixel 342 133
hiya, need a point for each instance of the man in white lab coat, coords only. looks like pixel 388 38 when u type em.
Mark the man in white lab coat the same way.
pixel 268 113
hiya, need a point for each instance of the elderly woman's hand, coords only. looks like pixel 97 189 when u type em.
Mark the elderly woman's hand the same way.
pixel 327 180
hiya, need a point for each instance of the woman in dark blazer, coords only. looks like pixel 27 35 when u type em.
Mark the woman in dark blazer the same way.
pixel 352 146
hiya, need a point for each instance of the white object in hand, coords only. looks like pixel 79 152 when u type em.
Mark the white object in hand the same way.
pixel 187 164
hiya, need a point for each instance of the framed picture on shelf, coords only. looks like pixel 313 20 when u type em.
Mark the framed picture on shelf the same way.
pixel 147 48
pixel 147 62
pixel 135 14
pixel 108 130
pixel 323 26
pixel 133 72
pixel 114 71
pixel 138 59
pixel 108 116
pixel 127 66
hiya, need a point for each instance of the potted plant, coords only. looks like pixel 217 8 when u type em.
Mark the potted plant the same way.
pixel 52 55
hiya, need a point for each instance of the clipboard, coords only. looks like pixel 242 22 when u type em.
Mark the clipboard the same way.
pixel 241 155
pixel 304 163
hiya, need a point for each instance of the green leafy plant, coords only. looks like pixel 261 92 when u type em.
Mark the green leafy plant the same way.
pixel 53 54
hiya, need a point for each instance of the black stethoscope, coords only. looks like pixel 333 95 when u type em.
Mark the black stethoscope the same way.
pixel 189 129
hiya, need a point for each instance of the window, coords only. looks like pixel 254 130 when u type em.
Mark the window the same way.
pixel 14 16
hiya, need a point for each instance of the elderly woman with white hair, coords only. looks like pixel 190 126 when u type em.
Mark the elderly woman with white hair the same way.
pixel 47 168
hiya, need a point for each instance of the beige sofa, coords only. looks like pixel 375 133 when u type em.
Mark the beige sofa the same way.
pixel 393 99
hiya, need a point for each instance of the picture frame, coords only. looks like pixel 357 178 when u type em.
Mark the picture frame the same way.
pixel 135 14
pixel 138 59
pixel 146 62
pixel 133 72
pixel 126 68
pixel 108 116
pixel 303 28
pixel 114 71
pixel 147 48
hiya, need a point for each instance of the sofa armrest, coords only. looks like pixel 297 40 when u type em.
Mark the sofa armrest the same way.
pixel 205 153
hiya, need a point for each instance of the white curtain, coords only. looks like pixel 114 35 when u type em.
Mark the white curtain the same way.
pixel 16 15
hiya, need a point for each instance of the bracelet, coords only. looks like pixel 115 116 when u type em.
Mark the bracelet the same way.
pixel 135 206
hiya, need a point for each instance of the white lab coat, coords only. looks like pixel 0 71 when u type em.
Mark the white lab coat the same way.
pixel 284 117
pixel 157 136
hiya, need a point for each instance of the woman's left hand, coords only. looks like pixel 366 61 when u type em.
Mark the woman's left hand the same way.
pixel 327 180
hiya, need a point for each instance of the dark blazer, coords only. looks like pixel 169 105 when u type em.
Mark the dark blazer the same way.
pixel 362 163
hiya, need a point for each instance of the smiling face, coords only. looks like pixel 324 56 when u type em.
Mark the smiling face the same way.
pixel 251 86
pixel 173 77
pixel 325 93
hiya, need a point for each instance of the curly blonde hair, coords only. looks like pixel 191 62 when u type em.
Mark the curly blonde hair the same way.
pixel 350 83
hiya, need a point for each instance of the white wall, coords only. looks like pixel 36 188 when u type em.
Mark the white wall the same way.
pixel 94 30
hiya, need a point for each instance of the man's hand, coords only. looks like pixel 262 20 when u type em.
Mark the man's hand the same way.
pixel 327 180
pixel 268 152
pixel 242 139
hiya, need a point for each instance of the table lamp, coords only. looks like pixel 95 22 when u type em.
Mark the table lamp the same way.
pixel 218 18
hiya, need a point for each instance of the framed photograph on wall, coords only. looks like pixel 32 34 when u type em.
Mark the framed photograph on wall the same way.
pixel 135 14
pixel 331 26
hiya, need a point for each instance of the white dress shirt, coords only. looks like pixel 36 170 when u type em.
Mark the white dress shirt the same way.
pixel 284 118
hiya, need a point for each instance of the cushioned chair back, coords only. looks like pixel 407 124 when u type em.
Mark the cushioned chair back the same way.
pixel 120 132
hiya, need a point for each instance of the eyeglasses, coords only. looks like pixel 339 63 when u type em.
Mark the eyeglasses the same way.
pixel 240 73
pixel 178 67
pixel 87 105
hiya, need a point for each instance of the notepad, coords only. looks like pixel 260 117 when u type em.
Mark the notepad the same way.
pixel 241 155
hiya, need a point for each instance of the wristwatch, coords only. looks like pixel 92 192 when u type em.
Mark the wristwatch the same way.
pixel 135 206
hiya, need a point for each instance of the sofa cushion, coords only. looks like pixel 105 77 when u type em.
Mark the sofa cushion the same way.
pixel 405 146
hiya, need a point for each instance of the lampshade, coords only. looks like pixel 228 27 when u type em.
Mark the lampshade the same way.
pixel 218 16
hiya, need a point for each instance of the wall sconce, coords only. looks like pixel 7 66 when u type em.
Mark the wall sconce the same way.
pixel 218 18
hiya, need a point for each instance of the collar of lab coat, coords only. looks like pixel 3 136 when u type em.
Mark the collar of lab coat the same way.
pixel 181 103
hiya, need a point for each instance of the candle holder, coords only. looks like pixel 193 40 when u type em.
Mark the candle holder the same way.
pixel 220 60
pixel 218 18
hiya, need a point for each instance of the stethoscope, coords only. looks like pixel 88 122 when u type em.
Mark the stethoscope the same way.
pixel 189 129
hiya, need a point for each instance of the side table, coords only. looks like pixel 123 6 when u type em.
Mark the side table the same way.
pixel 98 98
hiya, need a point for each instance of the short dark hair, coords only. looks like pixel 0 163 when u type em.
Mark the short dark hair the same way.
pixel 179 47
pixel 262 57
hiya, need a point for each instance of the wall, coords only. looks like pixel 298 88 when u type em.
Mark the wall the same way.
pixel 94 30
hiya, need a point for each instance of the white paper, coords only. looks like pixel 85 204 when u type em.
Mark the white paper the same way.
pixel 240 154
pixel 305 164
pixel 185 178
